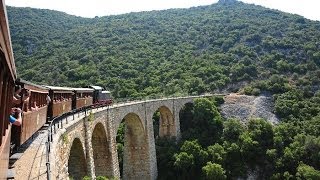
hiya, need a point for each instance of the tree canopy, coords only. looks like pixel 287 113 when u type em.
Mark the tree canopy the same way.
pixel 177 51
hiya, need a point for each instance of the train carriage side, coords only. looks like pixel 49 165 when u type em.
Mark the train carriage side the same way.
pixel 34 111
pixel 61 100
pixel 7 78
pixel 82 97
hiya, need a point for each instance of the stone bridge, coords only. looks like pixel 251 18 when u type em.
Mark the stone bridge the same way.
pixel 87 145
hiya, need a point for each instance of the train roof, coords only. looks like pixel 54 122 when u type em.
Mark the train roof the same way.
pixel 83 89
pixel 108 92
pixel 96 87
pixel 5 41
pixel 61 89
pixel 31 86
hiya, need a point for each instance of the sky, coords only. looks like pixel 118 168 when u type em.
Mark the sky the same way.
pixel 92 8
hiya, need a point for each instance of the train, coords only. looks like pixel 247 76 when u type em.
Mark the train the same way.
pixel 43 104
pixel 47 102
pixel 7 81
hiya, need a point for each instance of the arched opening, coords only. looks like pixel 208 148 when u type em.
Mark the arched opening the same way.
pixel 167 125
pixel 164 129
pixel 132 148
pixel 101 152
pixel 77 167
pixel 156 124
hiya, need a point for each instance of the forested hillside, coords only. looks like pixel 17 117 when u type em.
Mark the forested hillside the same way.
pixel 178 51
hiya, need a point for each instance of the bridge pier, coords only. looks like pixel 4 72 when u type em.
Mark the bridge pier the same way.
pixel 88 145
pixel 176 115
pixel 112 144
pixel 151 145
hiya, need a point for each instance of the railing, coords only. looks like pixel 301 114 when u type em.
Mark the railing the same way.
pixel 58 121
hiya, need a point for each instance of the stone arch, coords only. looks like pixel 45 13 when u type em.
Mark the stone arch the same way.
pixel 167 125
pixel 101 151
pixel 77 166
pixel 183 103
pixel 136 151
pixel 121 114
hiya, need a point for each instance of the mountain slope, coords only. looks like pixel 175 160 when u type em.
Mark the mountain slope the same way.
pixel 180 51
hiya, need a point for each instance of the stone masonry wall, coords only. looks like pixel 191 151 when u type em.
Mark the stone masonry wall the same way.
pixel 64 146
pixel 95 137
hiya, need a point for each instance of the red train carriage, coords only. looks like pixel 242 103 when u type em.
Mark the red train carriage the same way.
pixel 7 78
pixel 34 111
pixel 61 100
pixel 82 97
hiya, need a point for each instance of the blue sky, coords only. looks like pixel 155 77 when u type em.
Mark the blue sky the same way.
pixel 92 8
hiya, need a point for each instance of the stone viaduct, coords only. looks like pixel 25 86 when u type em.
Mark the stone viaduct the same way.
pixel 87 145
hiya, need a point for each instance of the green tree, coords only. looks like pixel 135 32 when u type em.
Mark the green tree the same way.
pixel 207 122
pixel 184 163
pixel 214 171
pixel 217 154
pixel 232 129
pixel 307 172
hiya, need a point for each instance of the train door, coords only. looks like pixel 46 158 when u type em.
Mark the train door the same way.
pixel 74 100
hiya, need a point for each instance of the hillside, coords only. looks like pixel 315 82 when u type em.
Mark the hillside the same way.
pixel 178 51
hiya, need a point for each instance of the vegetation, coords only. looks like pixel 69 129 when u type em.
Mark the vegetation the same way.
pixel 234 150
pixel 178 51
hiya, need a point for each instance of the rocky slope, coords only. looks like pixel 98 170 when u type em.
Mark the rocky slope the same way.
pixel 244 107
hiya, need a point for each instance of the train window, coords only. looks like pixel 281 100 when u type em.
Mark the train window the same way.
pixel 56 97
pixel 4 104
pixel 39 103
pixel 42 101
pixel 38 99
pixel 6 90
pixel 2 109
